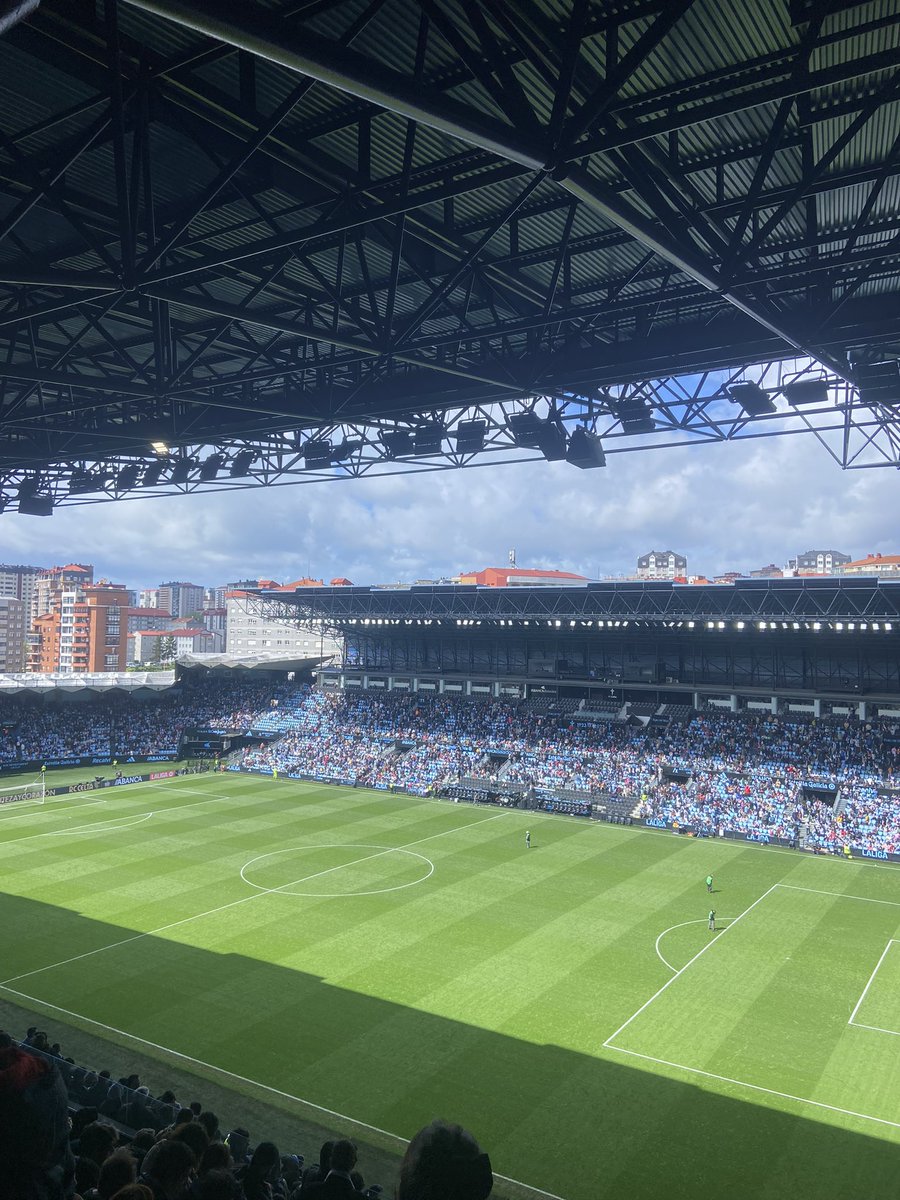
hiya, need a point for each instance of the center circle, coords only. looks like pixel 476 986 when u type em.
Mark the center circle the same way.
pixel 328 871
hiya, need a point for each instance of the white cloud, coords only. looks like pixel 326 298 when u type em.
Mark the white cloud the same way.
pixel 728 506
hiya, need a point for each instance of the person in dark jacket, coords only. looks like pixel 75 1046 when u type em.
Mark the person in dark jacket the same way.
pixel 444 1162
pixel 35 1160
pixel 338 1184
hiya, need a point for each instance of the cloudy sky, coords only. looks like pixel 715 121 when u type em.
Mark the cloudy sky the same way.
pixel 736 506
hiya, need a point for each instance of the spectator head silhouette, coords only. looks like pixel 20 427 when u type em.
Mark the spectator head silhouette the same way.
pixel 444 1162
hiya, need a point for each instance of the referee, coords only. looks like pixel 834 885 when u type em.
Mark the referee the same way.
pixel 712 919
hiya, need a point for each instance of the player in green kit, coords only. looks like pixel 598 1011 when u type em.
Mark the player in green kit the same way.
pixel 709 883
pixel 527 839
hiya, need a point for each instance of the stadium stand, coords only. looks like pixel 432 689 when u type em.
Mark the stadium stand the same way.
pixel 822 784
pixel 82 1132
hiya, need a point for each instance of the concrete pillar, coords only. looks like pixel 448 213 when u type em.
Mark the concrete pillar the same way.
pixel 696 699
pixel 468 687
pixel 414 685
pixel 440 687
pixel 861 710
pixel 365 683
pixel 817 708
pixel 495 689
pixel 734 702
pixel 775 706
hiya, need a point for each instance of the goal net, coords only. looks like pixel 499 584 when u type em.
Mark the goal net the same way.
pixel 24 793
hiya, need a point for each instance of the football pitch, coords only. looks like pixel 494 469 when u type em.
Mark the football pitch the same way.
pixel 390 960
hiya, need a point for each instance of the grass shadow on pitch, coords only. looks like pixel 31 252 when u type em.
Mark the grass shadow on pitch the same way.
pixel 580 1127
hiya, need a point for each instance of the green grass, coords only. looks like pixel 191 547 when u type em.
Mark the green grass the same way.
pixel 416 960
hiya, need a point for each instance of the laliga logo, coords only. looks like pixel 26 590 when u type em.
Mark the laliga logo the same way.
pixel 874 854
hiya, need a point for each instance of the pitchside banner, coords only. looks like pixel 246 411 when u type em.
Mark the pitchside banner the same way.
pixel 86 785
pixel 87 760
pixel 766 839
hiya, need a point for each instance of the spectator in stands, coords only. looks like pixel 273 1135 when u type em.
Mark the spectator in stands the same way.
pixel 117 1171
pixel 97 1142
pixel 168 1170
pixel 260 1178
pixel 316 1172
pixel 35 1158
pixel 134 1191
pixel 193 1135
pixel 444 1162
pixel 219 1184
pixel 338 1182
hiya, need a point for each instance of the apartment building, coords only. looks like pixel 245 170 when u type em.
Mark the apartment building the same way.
pixel 13 628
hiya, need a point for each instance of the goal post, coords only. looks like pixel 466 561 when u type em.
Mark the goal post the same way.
pixel 25 793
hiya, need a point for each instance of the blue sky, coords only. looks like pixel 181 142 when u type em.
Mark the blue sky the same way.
pixel 725 506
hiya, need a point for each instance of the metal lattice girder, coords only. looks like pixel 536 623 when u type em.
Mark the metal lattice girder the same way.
pixel 647 604
pixel 222 226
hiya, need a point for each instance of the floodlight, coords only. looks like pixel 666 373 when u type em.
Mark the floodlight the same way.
pixel 153 473
pixel 585 450
pixel 127 477
pixel 524 428
pixel 82 482
pixel 470 436
pixel 317 454
pixel 397 442
pixel 159 448
pixel 241 464
pixel 428 438
pixel 210 467
pixel 346 449
pixel 182 470
pixel 754 400
pixel 33 503
pixel 528 429
pixel 635 414
pixel 806 391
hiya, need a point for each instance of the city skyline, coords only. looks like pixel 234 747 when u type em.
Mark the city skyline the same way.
pixel 725 508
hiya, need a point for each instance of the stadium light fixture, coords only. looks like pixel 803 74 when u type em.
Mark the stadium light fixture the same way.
pixel 761 625
pixel 83 482
pixel 428 438
pixel 346 449
pixel 806 391
pixel 397 443
pixel 739 625
pixel 317 454
pixel 127 477
pixel 181 472
pixel 888 626
pixel 159 448
pixel 839 626
pixel 470 436
pixel 241 464
pixel 585 450
pixel 211 466
pixel 754 400
pixel 153 472
pixel 32 501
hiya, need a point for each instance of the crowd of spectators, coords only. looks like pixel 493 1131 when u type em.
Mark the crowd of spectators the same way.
pixel 34 731
pixel 68 1133
pixel 762 776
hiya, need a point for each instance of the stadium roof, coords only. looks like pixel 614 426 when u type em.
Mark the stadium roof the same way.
pixel 106 681
pixel 310 241
pixel 853 599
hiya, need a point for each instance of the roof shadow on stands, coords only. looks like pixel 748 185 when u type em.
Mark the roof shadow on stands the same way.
pixel 577 1126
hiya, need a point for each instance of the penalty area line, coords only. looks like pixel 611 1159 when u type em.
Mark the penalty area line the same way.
pixel 703 949
pixel 756 1087
pixel 265 1087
